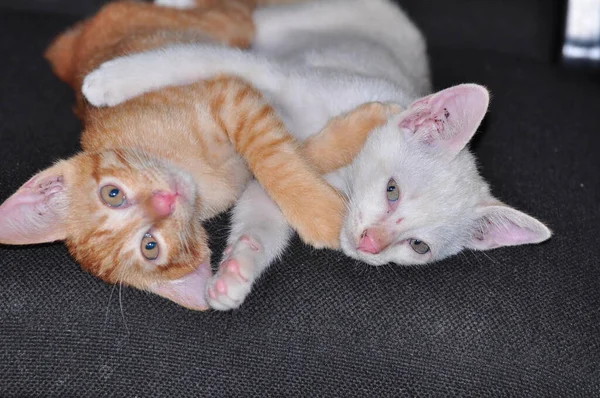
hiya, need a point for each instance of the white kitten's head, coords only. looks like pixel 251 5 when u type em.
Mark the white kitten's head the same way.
pixel 417 196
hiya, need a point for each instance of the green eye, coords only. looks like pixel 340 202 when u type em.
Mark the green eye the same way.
pixel 112 196
pixel 393 192
pixel 149 247
pixel 419 246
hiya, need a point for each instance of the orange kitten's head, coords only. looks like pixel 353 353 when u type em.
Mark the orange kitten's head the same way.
pixel 125 217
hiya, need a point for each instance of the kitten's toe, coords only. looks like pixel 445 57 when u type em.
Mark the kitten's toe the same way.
pixel 92 89
pixel 226 291
pixel 105 86
pixel 218 293
pixel 229 287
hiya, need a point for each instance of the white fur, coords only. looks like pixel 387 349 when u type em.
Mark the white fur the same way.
pixel 180 4
pixel 315 61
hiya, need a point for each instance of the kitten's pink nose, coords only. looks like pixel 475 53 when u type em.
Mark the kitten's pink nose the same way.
pixel 163 203
pixel 373 240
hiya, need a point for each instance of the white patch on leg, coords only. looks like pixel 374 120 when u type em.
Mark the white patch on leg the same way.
pixel 106 86
pixel 229 287
pixel 181 4
pixel 121 79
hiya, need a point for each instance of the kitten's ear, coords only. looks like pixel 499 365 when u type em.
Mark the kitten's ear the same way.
pixel 188 291
pixel 500 225
pixel 35 213
pixel 447 119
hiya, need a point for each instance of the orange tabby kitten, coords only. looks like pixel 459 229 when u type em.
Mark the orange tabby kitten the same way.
pixel 129 206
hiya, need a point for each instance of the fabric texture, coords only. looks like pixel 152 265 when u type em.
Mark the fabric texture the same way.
pixel 521 321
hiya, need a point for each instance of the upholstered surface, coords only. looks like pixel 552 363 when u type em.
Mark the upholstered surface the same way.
pixel 519 321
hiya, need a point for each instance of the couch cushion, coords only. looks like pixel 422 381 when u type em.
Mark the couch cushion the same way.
pixel 520 321
pixel 528 28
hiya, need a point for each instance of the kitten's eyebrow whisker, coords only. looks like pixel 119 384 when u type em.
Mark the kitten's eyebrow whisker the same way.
pixel 348 187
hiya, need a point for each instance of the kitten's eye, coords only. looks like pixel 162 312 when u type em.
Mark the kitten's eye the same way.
pixel 149 247
pixel 419 246
pixel 393 193
pixel 112 196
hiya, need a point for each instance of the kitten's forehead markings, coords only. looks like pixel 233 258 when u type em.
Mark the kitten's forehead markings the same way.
pixel 117 155
pixel 96 161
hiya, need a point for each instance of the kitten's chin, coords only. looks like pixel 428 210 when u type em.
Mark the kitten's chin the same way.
pixel 187 291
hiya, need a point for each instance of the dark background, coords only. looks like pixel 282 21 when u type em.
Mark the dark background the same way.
pixel 521 321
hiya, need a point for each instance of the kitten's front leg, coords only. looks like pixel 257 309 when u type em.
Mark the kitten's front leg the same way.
pixel 123 78
pixel 259 235
pixel 342 138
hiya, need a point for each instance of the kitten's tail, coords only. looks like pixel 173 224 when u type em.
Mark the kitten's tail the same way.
pixel 61 53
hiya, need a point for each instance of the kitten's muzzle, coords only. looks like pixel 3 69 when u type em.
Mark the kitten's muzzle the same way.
pixel 162 203
pixel 373 240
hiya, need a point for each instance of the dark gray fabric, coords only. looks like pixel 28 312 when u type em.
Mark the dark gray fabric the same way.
pixel 527 28
pixel 69 7
pixel 519 321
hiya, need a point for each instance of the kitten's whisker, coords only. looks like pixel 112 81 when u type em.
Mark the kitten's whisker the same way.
pixel 491 259
pixel 393 268
pixel 363 268
pixel 475 256
pixel 108 306
pixel 464 255
pixel 121 305
pixel 120 282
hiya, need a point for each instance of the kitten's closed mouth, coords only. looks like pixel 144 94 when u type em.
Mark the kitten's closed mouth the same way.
pixel 182 190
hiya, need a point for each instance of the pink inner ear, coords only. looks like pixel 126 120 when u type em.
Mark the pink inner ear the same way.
pixel 188 291
pixel 505 226
pixel 449 118
pixel 34 214
pixel 509 235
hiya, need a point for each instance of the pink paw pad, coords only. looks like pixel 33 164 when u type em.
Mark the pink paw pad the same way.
pixel 233 267
pixel 221 286
pixel 227 251
pixel 251 242
pixel 211 293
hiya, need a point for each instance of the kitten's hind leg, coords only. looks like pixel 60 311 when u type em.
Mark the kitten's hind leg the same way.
pixel 258 237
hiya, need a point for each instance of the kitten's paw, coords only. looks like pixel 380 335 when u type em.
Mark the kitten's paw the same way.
pixel 390 109
pixel 319 223
pixel 109 85
pixel 229 287
pixel 379 111
pixel 180 4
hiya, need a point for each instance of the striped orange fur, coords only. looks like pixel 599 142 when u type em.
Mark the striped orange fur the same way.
pixel 197 145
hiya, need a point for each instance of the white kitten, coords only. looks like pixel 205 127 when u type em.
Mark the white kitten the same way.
pixel 415 195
